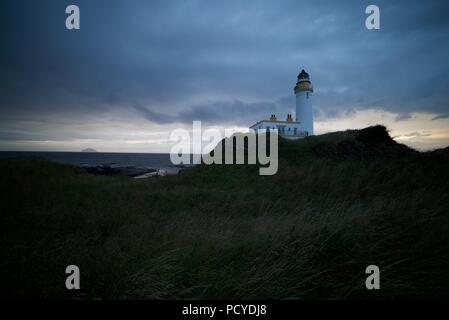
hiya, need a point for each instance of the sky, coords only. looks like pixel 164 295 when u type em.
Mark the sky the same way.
pixel 137 70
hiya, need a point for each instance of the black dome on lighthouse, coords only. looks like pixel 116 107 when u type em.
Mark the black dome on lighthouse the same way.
pixel 303 75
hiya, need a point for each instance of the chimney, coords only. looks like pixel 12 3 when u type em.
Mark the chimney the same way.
pixel 289 118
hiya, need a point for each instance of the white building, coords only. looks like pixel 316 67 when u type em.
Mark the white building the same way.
pixel 302 125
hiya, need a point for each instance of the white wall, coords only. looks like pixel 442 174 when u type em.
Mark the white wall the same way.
pixel 304 111
pixel 274 124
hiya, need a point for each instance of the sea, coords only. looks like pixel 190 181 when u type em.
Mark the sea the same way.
pixel 144 160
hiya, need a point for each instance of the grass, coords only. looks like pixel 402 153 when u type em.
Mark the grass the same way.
pixel 338 203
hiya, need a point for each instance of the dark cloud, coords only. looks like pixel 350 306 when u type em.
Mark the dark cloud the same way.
pixel 220 61
pixel 403 116
pixel 441 116
pixel 217 112
pixel 154 116
pixel 416 134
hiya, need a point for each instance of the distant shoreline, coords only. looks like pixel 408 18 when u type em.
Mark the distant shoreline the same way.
pixel 127 164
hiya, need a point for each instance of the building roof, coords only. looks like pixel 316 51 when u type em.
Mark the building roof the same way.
pixel 303 75
pixel 277 121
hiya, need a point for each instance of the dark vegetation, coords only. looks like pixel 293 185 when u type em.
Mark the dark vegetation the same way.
pixel 109 170
pixel 338 203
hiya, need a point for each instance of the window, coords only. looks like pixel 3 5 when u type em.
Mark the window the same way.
pixel 295 131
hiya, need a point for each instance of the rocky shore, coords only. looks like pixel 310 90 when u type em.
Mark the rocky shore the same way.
pixel 133 171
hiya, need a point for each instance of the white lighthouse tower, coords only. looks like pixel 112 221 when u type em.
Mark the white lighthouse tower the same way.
pixel 304 111
pixel 302 125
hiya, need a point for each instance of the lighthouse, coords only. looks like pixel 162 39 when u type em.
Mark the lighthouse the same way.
pixel 301 125
pixel 304 112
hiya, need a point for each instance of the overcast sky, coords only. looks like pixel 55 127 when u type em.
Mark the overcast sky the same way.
pixel 138 69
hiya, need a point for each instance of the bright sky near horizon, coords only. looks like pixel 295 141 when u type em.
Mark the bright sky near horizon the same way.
pixel 136 70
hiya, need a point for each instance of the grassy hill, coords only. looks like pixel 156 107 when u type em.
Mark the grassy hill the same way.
pixel 338 203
